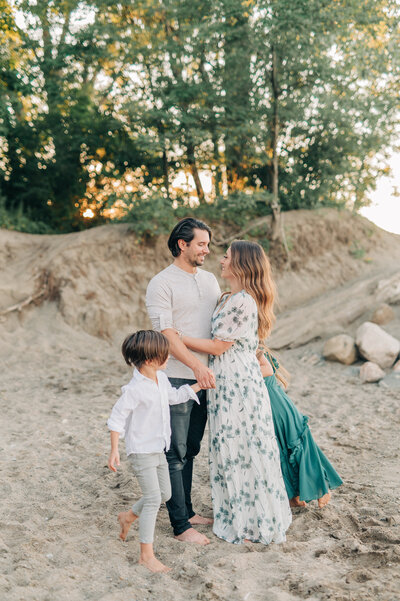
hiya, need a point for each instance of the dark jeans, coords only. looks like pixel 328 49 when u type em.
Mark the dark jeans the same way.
pixel 188 421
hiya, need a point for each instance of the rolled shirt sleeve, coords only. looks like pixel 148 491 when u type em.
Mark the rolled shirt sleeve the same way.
pixel 159 305
pixel 176 396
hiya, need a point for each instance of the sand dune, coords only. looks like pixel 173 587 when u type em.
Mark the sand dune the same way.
pixel 62 371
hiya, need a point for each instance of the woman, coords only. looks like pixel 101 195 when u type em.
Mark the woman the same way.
pixel 307 473
pixel 249 498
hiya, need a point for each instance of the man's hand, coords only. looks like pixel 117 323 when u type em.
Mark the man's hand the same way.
pixel 204 376
pixel 113 460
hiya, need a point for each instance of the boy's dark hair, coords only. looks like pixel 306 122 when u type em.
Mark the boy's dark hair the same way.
pixel 184 231
pixel 145 345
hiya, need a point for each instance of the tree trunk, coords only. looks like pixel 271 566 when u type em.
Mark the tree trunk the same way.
pixel 276 209
pixel 165 172
pixel 165 167
pixel 217 171
pixel 359 193
pixel 237 84
pixel 194 171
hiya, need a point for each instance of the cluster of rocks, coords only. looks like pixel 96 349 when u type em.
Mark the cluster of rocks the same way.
pixel 373 343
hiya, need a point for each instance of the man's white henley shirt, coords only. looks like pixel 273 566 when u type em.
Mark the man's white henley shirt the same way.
pixel 183 301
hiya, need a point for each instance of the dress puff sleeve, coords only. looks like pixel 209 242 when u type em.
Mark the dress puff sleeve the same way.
pixel 232 322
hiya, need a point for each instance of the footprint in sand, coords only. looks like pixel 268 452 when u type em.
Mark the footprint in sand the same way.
pixel 359 576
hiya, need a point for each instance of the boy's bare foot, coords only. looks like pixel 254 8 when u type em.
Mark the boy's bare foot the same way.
pixel 192 536
pixel 295 502
pixel 324 500
pixel 154 565
pixel 126 519
pixel 199 520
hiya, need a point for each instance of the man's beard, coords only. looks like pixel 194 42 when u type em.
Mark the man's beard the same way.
pixel 197 262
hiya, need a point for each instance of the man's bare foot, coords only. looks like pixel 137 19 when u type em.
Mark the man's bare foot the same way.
pixel 324 500
pixel 295 502
pixel 154 565
pixel 126 519
pixel 192 536
pixel 199 520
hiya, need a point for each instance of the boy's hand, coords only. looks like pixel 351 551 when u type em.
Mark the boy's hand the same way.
pixel 113 460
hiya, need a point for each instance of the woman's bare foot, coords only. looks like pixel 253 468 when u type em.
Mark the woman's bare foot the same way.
pixel 323 501
pixel 295 502
pixel 126 519
pixel 193 536
pixel 199 520
pixel 154 565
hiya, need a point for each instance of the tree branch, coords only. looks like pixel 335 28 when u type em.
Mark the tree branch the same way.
pixel 255 223
pixel 42 293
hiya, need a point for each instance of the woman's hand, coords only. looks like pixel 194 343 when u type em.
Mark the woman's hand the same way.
pixel 265 366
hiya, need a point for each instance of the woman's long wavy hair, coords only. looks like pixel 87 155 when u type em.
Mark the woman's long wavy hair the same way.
pixel 251 266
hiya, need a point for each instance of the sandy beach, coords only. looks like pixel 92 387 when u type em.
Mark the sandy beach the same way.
pixel 59 501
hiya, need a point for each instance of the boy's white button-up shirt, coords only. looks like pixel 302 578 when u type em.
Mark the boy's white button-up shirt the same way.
pixel 141 414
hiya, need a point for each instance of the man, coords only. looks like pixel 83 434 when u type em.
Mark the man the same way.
pixel 181 300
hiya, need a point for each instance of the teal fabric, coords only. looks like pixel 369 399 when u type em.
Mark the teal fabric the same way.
pixel 306 471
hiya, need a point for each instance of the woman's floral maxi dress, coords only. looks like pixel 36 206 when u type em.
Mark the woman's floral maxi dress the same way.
pixel 248 493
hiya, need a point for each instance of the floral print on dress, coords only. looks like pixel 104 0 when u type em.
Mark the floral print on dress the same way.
pixel 248 493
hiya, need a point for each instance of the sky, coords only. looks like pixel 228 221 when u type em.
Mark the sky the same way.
pixel 385 208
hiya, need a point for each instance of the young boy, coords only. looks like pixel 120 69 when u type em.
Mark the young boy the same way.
pixel 142 415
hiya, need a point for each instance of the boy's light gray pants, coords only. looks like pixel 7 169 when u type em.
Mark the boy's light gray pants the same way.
pixel 151 470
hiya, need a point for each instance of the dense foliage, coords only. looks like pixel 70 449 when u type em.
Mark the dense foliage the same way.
pixel 107 108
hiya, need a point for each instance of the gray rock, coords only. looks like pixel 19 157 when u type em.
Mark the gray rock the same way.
pixel 389 290
pixel 383 314
pixel 391 380
pixel 376 345
pixel 340 348
pixel 352 371
pixel 371 372
pixel 396 367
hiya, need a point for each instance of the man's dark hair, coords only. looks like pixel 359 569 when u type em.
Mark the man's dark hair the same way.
pixel 184 230
pixel 145 345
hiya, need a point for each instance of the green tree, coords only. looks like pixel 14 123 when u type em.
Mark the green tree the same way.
pixel 58 119
pixel 325 103
pixel 103 103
